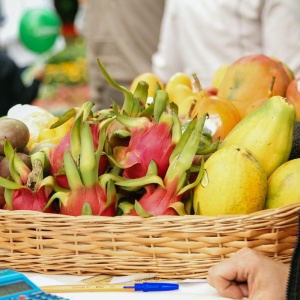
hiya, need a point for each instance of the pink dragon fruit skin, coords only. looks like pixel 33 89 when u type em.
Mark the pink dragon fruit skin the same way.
pixel 96 198
pixel 143 147
pixel 157 200
pixel 25 199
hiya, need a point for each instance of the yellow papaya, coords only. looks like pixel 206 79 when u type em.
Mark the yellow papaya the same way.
pixel 267 133
pixel 284 185
pixel 234 182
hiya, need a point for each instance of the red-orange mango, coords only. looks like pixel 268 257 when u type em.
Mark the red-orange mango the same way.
pixel 293 95
pixel 248 79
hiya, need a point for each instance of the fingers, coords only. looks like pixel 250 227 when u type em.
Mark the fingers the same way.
pixel 223 278
pixel 249 273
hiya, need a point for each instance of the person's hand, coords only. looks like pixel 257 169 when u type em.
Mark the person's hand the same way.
pixel 251 274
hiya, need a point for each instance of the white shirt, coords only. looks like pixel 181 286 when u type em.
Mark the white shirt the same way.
pixel 198 36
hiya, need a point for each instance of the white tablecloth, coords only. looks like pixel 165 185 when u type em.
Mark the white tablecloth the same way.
pixel 186 291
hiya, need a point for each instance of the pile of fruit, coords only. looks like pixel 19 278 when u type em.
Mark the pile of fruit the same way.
pixel 177 149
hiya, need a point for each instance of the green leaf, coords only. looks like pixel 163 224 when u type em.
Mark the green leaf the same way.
pixel 157 88
pixel 183 161
pixel 75 141
pixel 8 195
pixel 196 182
pixel 141 92
pixel 51 182
pixel 72 172
pixel 85 110
pixel 138 183
pixel 148 111
pixel 87 165
pixel 110 193
pixel 64 118
pixel 21 168
pixel 161 101
pixel 183 139
pixel 176 128
pixel 140 211
pixel 61 196
pixel 106 177
pixel 13 172
pixel 152 168
pixel 10 154
pixel 207 149
pixel 86 209
pixel 179 208
pixel 126 207
pixel 133 123
pixel 122 133
pixel 102 139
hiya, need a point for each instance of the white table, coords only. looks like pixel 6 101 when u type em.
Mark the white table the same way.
pixel 187 291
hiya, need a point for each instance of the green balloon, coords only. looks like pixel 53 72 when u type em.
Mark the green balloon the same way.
pixel 39 29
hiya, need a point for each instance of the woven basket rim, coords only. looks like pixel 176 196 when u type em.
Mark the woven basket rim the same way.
pixel 289 209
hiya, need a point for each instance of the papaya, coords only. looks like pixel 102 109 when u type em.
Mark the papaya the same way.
pixel 267 133
pixel 284 185
pixel 234 182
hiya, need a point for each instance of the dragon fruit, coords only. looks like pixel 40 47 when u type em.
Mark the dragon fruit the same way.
pixel 27 189
pixel 152 142
pixel 56 154
pixel 165 199
pixel 86 195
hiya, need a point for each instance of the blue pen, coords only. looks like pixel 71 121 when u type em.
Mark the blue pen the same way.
pixel 143 287
pixel 153 286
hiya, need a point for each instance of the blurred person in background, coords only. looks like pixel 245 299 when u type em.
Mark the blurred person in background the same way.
pixel 80 18
pixel 124 36
pixel 67 11
pixel 199 36
pixel 12 88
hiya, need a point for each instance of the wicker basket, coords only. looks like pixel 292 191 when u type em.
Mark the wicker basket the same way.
pixel 172 246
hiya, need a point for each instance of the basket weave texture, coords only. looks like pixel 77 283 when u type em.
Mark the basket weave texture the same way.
pixel 174 247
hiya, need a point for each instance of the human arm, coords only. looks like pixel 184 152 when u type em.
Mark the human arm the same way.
pixel 251 274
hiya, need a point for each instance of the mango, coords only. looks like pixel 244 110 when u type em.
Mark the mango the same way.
pixel 293 95
pixel 248 79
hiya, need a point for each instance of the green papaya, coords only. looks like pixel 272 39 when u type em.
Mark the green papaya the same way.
pixel 267 133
